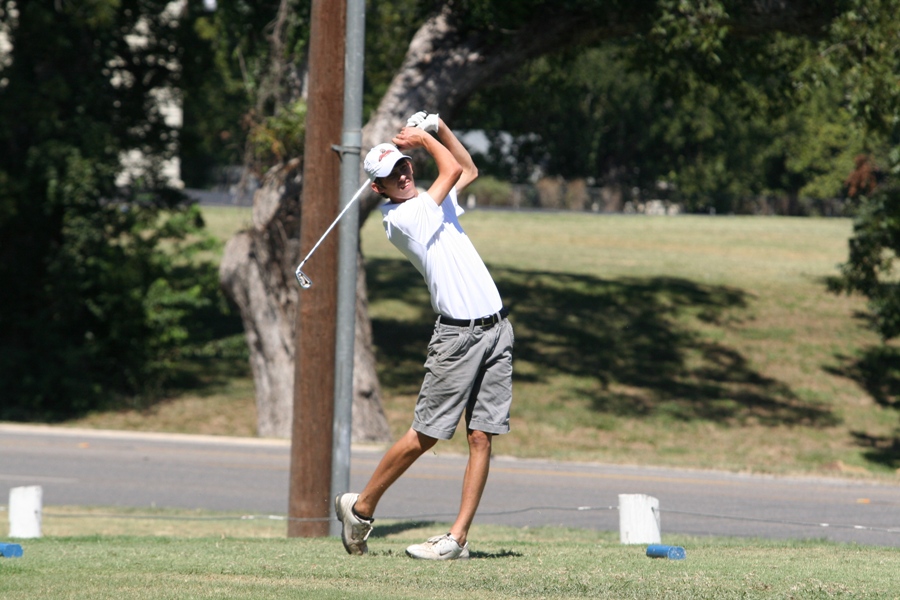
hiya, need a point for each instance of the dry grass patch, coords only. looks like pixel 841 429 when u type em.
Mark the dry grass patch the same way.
pixel 228 410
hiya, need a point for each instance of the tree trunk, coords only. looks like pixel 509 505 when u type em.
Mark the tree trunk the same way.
pixel 444 65
pixel 257 272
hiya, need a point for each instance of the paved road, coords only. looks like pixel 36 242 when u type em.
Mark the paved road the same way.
pixel 97 468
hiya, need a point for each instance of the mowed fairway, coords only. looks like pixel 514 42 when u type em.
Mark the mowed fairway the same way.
pixel 178 555
pixel 693 341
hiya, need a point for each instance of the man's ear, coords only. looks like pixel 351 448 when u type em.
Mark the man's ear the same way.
pixel 377 188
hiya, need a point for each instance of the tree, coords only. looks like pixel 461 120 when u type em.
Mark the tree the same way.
pixel 93 309
pixel 766 129
pixel 866 49
pixel 460 48
pixel 233 87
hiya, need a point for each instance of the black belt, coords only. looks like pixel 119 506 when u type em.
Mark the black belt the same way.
pixel 485 322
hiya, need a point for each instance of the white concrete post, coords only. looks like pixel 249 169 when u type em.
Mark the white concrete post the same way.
pixel 25 512
pixel 638 519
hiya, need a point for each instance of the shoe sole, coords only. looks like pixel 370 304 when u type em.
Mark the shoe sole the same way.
pixel 460 557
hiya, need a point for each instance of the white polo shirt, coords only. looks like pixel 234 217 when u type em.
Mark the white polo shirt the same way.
pixel 430 236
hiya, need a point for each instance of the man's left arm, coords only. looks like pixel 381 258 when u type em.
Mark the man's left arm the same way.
pixel 459 152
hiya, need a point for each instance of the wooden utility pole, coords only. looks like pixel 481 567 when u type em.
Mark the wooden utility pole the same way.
pixel 311 435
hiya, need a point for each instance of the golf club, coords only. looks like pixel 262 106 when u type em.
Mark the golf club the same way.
pixel 304 281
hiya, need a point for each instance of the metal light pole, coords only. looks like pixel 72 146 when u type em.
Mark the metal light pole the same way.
pixel 351 142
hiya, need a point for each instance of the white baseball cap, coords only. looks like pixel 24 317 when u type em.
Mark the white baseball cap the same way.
pixel 381 159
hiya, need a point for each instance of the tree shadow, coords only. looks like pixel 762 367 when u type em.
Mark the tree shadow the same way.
pixel 882 449
pixel 877 372
pixel 631 336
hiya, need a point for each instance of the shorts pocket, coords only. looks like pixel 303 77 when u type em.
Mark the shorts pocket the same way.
pixel 447 341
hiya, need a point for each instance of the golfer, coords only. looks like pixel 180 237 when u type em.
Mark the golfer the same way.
pixel 468 369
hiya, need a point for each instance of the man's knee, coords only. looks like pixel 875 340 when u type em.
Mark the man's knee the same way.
pixel 421 441
pixel 479 440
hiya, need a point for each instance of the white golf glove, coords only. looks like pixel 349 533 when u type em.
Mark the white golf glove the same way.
pixel 424 121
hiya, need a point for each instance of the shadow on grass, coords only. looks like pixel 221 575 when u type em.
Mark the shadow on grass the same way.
pixel 637 339
pixel 881 449
pixel 381 531
pixel 498 554
pixel 877 372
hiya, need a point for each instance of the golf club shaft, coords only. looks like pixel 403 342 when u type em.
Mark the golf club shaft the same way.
pixel 330 227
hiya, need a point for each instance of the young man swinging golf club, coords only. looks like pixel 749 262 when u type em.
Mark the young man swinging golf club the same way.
pixel 468 369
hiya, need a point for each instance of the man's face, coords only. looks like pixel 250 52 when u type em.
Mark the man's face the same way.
pixel 399 185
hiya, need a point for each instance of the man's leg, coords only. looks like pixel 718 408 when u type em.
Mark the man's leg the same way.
pixel 355 511
pixel 394 463
pixel 473 483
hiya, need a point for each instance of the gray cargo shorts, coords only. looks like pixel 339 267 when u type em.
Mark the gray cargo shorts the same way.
pixel 469 368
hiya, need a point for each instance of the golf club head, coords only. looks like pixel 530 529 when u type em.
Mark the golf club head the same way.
pixel 304 281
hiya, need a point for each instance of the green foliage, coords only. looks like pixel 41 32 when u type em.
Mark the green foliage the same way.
pixel 691 33
pixel 568 115
pixel 390 27
pixel 100 282
pixel 721 119
pixel 280 137
pixel 862 55
pixel 104 309
pixel 818 142
pixel 870 266
pixel 595 114
pixel 861 58
pixel 490 191
pixel 233 85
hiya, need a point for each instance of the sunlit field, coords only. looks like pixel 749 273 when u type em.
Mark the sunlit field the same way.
pixel 691 341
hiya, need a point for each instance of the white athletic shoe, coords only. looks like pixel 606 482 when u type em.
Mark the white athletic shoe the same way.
pixel 355 531
pixel 439 547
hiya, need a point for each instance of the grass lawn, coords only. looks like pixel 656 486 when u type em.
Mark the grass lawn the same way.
pixel 690 341
pixel 179 555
